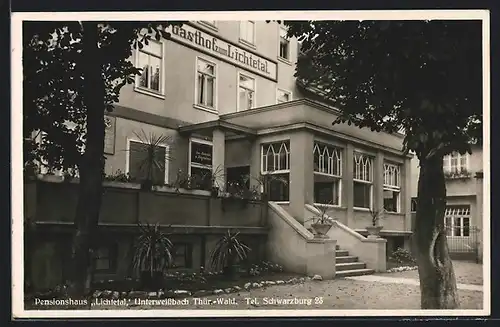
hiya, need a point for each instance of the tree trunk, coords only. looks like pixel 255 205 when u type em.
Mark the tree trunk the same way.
pixel 92 165
pixel 437 279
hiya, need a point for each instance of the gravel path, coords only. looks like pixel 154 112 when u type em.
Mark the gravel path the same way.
pixel 333 294
pixel 465 272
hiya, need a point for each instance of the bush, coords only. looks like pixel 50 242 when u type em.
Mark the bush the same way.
pixel 402 256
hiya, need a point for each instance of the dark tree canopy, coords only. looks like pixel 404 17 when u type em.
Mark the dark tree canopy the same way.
pixel 421 76
pixel 53 99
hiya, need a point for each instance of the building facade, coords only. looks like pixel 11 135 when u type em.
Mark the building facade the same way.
pixel 221 96
pixel 464 188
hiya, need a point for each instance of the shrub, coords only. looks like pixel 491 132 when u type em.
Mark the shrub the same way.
pixel 402 256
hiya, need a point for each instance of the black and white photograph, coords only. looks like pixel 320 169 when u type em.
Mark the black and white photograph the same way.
pixel 250 164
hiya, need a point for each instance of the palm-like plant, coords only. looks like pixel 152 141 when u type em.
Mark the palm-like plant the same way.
pixel 151 154
pixel 376 215
pixel 152 251
pixel 228 250
pixel 264 181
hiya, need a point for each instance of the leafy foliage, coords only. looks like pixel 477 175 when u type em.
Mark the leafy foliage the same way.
pixel 423 77
pixel 53 97
pixel 402 256
pixel 227 250
pixel 321 217
pixel 376 215
pixel 151 152
pixel 153 250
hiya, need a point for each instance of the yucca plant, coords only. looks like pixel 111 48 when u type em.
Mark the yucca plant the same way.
pixel 264 181
pixel 151 155
pixel 228 252
pixel 321 221
pixel 152 254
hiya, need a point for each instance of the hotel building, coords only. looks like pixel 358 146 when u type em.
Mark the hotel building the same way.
pixel 225 95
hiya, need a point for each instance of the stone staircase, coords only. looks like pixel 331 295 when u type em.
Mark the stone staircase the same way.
pixel 347 265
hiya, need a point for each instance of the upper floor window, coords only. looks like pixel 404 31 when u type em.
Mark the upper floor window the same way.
pixel 211 23
pixel 456 163
pixel 247 31
pixel 205 84
pixel 283 96
pixel 363 181
pixel 392 187
pixel 284 46
pixel 149 59
pixel 246 92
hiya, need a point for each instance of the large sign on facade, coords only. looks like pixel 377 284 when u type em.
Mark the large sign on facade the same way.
pixel 224 50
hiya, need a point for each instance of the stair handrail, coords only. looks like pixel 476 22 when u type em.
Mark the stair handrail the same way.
pixel 292 222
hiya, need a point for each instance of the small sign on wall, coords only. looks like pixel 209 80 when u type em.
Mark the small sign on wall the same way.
pixel 201 154
pixel 109 136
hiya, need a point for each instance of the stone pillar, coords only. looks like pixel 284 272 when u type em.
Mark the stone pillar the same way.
pixel 321 258
pixel 378 182
pixel 479 215
pixel 347 184
pixel 218 160
pixel 301 173
pixel 406 194
pixel 255 163
pixel 374 254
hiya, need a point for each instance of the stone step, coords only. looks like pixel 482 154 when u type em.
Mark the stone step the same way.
pixel 350 266
pixel 341 253
pixel 346 259
pixel 354 272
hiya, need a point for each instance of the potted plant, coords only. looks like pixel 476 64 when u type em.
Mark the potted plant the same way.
pixel 321 222
pixel 153 157
pixel 211 180
pixel 152 255
pixel 228 253
pixel 374 229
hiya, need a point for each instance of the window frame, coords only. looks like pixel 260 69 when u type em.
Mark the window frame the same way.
pixel 395 187
pixel 196 86
pixel 449 213
pixel 283 28
pixel 238 104
pixel 369 182
pixel 447 167
pixel 209 24
pixel 196 165
pixel 278 90
pixel 336 160
pixel 276 158
pixel 112 258
pixel 188 254
pixel 243 40
pixel 127 158
pixel 145 90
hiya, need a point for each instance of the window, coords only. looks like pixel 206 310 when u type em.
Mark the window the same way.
pixel 276 163
pixel 392 187
pixel 105 259
pixel 182 255
pixel 200 158
pixel 210 23
pixel 246 92
pixel 138 162
pixel 247 31
pixel 205 84
pixel 456 163
pixel 149 58
pixel 283 96
pixel 457 220
pixel 363 181
pixel 284 51
pixel 327 174
pixel 413 204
